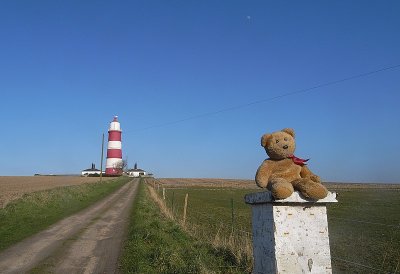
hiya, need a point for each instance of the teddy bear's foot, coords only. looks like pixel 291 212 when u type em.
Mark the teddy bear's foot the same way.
pixel 281 189
pixel 311 189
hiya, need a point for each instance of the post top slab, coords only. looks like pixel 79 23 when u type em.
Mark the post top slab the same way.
pixel 266 197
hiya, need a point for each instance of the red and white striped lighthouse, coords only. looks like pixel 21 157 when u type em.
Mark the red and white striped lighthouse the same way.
pixel 114 149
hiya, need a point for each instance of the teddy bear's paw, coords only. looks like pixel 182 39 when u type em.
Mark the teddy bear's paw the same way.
pixel 315 191
pixel 315 178
pixel 262 183
pixel 281 190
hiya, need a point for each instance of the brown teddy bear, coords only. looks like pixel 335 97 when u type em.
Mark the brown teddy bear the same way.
pixel 283 173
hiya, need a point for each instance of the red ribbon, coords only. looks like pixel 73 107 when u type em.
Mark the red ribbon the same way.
pixel 298 161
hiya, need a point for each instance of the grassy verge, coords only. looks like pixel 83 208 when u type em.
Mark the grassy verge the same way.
pixel 212 208
pixel 156 244
pixel 36 211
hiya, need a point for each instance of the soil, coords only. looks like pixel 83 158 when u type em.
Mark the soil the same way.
pixel 250 184
pixel 14 187
pixel 87 242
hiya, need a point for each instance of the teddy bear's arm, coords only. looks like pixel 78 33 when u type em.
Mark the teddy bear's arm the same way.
pixel 306 173
pixel 263 174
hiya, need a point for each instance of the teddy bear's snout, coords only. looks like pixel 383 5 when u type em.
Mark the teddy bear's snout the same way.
pixel 285 146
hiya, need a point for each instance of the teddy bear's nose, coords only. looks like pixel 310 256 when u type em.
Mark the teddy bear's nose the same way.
pixel 285 146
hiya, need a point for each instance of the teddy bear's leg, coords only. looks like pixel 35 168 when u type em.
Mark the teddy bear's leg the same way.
pixel 280 188
pixel 310 189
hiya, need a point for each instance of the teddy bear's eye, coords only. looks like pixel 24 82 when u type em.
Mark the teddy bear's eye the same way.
pixel 277 141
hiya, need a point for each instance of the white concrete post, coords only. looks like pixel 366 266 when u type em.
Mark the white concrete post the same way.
pixel 290 235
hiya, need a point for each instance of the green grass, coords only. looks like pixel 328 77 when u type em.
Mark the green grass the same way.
pixel 365 229
pixel 212 208
pixel 156 244
pixel 38 210
pixel 364 226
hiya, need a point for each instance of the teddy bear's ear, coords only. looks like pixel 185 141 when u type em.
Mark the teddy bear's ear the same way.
pixel 289 131
pixel 265 139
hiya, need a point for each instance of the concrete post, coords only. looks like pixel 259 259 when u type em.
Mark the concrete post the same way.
pixel 290 235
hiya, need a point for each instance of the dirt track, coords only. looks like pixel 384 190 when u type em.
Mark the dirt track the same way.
pixel 87 242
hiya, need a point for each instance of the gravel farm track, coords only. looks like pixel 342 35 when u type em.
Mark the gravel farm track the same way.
pixel 14 187
pixel 86 242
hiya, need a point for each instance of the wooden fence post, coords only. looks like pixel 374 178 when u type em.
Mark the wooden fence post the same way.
pixel 163 193
pixel 233 216
pixel 172 202
pixel 184 209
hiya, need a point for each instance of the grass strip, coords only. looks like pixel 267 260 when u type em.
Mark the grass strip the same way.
pixel 38 210
pixel 156 244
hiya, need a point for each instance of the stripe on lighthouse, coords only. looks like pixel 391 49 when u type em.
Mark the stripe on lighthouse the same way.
pixel 114 135
pixel 114 145
pixel 113 163
pixel 114 153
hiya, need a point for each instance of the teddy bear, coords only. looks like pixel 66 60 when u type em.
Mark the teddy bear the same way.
pixel 282 172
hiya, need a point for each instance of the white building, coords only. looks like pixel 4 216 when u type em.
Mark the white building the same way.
pixel 93 171
pixel 136 172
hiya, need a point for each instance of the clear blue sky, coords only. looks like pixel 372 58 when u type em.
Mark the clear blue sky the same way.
pixel 68 66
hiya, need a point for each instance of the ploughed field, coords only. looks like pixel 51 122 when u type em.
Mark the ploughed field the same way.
pixel 14 187
pixel 250 184
pixel 364 226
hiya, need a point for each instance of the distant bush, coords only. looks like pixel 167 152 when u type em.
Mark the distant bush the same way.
pixel 93 175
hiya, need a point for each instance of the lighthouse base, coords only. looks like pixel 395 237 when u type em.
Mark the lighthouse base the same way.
pixel 113 171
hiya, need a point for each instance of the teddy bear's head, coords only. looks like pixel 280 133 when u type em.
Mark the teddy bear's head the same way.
pixel 279 145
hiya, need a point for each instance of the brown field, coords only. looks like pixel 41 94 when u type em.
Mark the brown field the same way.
pixel 207 183
pixel 250 184
pixel 14 187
